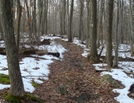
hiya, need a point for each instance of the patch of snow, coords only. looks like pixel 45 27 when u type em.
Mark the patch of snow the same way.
pixel 64 39
pixel 27 85
pixel 48 37
pixel 78 42
pixel 32 68
pixel 119 74
pixel 86 52
pixel 27 46
pixel 2 86
pixel 53 47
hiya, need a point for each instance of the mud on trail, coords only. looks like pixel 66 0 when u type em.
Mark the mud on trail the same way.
pixel 74 80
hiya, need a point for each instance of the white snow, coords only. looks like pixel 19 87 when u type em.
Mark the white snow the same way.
pixel 31 68
pixel 119 74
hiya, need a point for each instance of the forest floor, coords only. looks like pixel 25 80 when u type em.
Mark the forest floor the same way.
pixel 74 80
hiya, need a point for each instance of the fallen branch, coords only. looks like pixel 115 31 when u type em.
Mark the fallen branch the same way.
pixel 101 50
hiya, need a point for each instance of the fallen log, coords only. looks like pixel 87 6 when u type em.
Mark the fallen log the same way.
pixel 2 51
pixel 28 52
pixel 42 52
pixel 54 54
pixel 37 58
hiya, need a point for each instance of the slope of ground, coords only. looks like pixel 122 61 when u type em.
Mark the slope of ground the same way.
pixel 74 80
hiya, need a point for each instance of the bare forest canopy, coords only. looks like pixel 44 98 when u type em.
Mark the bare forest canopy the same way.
pixel 52 17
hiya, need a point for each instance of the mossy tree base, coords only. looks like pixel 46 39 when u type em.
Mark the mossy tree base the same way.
pixel 27 97
pixel 12 99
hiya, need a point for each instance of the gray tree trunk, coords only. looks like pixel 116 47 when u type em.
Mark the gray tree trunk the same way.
pixel 81 19
pixel 93 31
pixel 88 22
pixel 29 21
pixel 34 22
pixel 132 26
pixel 18 23
pixel 115 62
pixel 40 9
pixel 109 33
pixel 64 17
pixel 100 23
pixel 16 84
pixel 70 21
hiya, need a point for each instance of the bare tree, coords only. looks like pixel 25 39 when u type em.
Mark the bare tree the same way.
pixel 88 22
pixel 81 19
pixel 109 33
pixel 34 21
pixel 93 31
pixel 19 8
pixel 131 25
pixel 115 62
pixel 70 21
pixel 16 84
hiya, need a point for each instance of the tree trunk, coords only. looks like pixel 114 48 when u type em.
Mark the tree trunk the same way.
pixel 100 30
pixel 18 23
pixel 40 9
pixel 64 17
pixel 34 22
pixel 29 21
pixel 70 21
pixel 81 19
pixel 132 26
pixel 61 19
pixel 115 63
pixel 93 31
pixel 109 33
pixel 88 22
pixel 16 84
pixel 46 15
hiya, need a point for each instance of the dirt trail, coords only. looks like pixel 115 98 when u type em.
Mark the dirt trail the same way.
pixel 77 77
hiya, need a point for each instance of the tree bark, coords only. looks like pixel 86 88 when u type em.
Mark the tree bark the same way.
pixel 131 26
pixel 40 10
pixel 34 22
pixel 109 33
pixel 100 23
pixel 16 84
pixel 29 21
pixel 88 22
pixel 70 21
pixel 81 19
pixel 115 62
pixel 18 23
pixel 93 31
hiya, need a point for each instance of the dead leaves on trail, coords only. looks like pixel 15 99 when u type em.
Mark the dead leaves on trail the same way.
pixel 77 78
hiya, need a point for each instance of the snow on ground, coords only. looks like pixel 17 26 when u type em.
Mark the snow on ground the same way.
pixel 31 68
pixel 116 73
pixel 119 74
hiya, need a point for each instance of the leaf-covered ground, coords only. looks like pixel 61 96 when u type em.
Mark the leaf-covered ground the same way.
pixel 77 79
